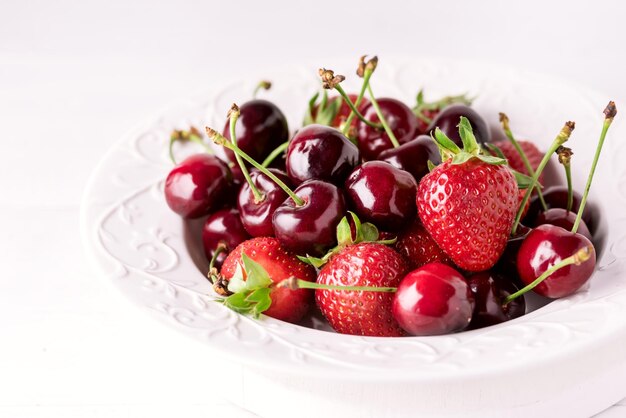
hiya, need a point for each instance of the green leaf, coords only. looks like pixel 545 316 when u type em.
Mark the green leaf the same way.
pixel 257 277
pixel 237 283
pixel 492 160
pixel 344 235
pixel 495 150
pixel 326 115
pixel 470 144
pixel 445 142
pixel 260 301
pixel 357 228
pixel 369 232
pixel 461 158
pixel 523 181
pixel 237 302
pixel 431 165
pixel 308 117
pixel 313 261
pixel 420 97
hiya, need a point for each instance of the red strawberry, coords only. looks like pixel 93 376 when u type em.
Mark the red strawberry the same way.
pixel 418 247
pixel 468 203
pixel 355 312
pixel 279 264
pixel 515 160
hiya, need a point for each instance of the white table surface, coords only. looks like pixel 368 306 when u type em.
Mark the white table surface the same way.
pixel 75 75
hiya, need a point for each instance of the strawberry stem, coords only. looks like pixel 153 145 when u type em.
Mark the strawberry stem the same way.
pixel 220 140
pixel 381 117
pixel 504 120
pixel 277 151
pixel 560 139
pixel 577 258
pixel 295 284
pixel 610 111
pixel 233 115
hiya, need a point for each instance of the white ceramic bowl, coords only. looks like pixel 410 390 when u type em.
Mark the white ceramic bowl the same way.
pixel 568 354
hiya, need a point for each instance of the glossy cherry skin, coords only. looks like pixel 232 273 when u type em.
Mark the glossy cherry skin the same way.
pixel 450 117
pixel 257 216
pixel 413 156
pixel 260 129
pixel 563 218
pixel 310 228
pixel 556 197
pixel 507 264
pixel 318 152
pixel 433 300
pixel 401 120
pixel 547 245
pixel 490 289
pixel 223 226
pixel 382 194
pixel 198 185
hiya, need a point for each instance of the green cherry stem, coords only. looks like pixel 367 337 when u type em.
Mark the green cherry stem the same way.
pixel 192 135
pixel 366 79
pixel 220 140
pixel 381 117
pixel 352 106
pixel 577 258
pixel 277 151
pixel 263 85
pixel 504 120
pixel 609 113
pixel 233 115
pixel 565 158
pixel 295 284
pixel 221 247
pixel 560 139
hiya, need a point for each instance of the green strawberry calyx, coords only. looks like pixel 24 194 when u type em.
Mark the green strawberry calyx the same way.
pixel 364 232
pixel 325 112
pixel 422 106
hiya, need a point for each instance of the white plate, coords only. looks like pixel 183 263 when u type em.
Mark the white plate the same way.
pixel 563 355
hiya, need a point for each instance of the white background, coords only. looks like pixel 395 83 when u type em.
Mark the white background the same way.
pixel 75 75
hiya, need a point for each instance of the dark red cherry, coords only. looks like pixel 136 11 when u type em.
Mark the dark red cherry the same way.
pixel 382 194
pixel 490 290
pixel 224 226
pixel 401 120
pixel 544 247
pixel 507 264
pixel 433 300
pixel 450 117
pixel 198 185
pixel 556 197
pixel 563 218
pixel 318 152
pixel 413 156
pixel 257 216
pixel 260 129
pixel 310 228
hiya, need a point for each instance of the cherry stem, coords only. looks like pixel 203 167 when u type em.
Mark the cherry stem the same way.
pixel 504 120
pixel 609 112
pixel 295 284
pixel 263 85
pixel 560 139
pixel 366 79
pixel 277 151
pixel 221 247
pixel 565 158
pixel 352 106
pixel 233 114
pixel 381 117
pixel 577 258
pixel 220 140
pixel 192 135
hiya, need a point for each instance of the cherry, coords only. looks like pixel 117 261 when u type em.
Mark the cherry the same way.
pixel 556 197
pixel 490 291
pixel 223 227
pixel 197 186
pixel 322 153
pixel 308 226
pixel 449 118
pixel 432 300
pixel 546 246
pixel 563 218
pixel 413 156
pixel 256 215
pixel 382 194
pixel 400 119
pixel 262 127
pixel 507 263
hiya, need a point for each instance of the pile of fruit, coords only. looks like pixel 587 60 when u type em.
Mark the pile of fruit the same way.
pixel 392 220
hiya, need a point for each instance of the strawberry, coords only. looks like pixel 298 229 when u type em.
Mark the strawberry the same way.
pixel 515 160
pixel 418 247
pixel 264 261
pixel 355 312
pixel 468 203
